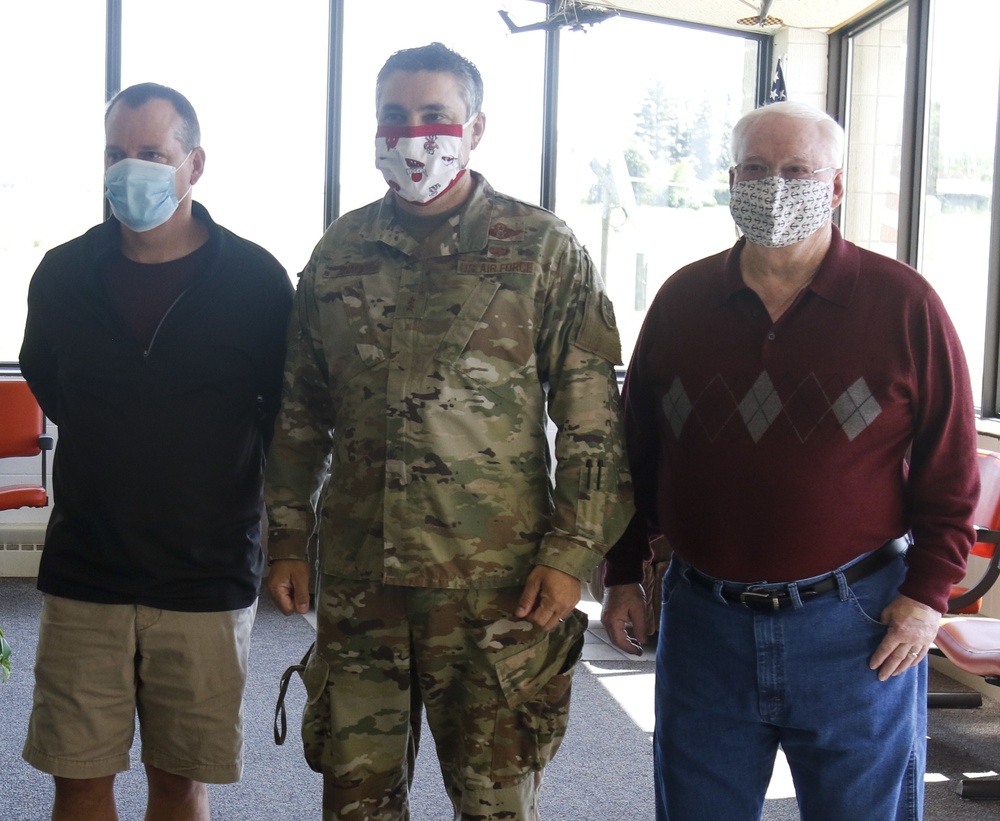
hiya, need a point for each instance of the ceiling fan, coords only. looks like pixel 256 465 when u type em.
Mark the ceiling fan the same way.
pixel 762 17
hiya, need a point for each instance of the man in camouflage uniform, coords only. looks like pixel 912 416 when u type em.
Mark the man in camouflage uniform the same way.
pixel 434 332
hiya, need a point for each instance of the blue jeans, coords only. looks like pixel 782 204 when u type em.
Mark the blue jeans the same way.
pixel 733 683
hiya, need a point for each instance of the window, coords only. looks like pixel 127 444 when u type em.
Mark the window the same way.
pixel 953 177
pixel 52 145
pixel 876 85
pixel 255 71
pixel 643 161
pixel 954 246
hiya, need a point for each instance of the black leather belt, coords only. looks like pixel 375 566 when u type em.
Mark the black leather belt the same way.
pixel 773 597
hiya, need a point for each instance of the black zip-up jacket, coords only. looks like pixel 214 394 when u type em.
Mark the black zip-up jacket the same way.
pixel 158 470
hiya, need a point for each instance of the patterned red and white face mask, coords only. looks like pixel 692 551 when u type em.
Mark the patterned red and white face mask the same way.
pixel 775 212
pixel 420 162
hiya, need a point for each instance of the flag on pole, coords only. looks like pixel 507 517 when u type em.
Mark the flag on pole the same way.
pixel 778 92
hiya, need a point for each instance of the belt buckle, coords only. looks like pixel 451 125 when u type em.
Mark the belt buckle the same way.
pixel 755 598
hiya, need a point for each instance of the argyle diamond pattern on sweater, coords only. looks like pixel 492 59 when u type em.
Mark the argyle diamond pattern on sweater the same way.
pixel 855 408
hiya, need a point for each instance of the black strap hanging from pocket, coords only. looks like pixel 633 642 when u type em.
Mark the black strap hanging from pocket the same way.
pixel 280 719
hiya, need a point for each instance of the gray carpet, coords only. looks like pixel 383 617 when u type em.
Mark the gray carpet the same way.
pixel 602 772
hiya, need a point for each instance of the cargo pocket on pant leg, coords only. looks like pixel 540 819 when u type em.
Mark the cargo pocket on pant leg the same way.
pixel 536 682
pixel 316 715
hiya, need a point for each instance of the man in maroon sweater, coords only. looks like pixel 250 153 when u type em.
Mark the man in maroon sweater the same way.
pixel 801 429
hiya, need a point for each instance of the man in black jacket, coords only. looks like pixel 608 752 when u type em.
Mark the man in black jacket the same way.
pixel 155 343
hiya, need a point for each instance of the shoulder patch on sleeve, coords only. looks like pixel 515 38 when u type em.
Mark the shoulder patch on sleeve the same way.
pixel 598 331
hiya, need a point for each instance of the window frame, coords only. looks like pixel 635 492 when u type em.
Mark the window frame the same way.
pixel 916 127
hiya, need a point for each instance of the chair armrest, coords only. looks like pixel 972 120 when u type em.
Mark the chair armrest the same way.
pixel 984 534
pixel 987 580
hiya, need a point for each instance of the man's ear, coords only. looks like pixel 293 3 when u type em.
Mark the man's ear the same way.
pixel 197 164
pixel 838 187
pixel 478 127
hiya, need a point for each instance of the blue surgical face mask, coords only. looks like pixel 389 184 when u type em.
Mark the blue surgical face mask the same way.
pixel 143 195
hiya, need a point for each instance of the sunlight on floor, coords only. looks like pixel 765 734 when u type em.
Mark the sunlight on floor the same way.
pixel 632 690
pixel 781 785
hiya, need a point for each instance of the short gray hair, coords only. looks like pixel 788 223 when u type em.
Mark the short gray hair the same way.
pixel 436 57
pixel 833 133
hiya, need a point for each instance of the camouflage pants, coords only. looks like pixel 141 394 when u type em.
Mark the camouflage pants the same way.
pixel 495 689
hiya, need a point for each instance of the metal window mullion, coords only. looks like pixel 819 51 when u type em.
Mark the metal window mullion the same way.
pixel 765 56
pixel 913 153
pixel 112 64
pixel 991 354
pixel 550 116
pixel 113 49
pixel 334 102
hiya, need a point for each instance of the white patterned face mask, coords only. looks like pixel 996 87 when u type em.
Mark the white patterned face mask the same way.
pixel 420 162
pixel 775 212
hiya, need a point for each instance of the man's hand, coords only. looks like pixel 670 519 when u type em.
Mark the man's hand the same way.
pixel 549 596
pixel 625 606
pixel 912 629
pixel 288 584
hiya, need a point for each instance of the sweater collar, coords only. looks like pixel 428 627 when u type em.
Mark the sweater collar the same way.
pixel 835 280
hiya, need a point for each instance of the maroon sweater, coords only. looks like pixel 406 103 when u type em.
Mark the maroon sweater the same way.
pixel 782 451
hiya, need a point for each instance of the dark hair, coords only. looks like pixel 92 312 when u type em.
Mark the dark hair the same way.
pixel 437 57
pixel 189 134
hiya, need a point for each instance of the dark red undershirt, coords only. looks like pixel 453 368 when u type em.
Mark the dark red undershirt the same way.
pixel 144 292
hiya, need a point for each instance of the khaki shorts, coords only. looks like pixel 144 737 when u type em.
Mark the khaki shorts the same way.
pixel 100 664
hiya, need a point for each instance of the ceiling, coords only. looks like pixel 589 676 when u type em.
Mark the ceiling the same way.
pixel 820 15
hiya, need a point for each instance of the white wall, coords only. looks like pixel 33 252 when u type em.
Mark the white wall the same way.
pixel 804 64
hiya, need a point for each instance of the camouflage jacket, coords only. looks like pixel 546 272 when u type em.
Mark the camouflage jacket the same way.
pixel 418 380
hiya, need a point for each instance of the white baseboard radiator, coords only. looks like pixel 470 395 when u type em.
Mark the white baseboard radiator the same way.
pixel 20 551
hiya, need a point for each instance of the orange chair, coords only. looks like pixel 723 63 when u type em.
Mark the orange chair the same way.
pixel 968 601
pixel 969 641
pixel 22 434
